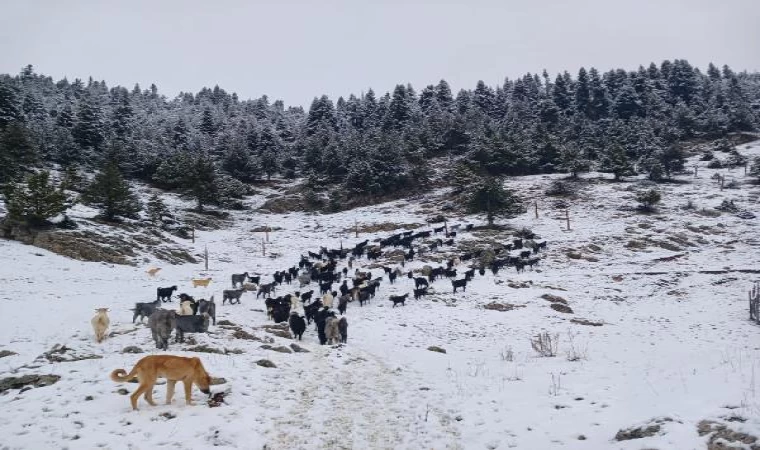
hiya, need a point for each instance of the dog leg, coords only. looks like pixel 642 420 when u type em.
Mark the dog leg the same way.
pixel 188 392
pixel 170 391
pixel 149 395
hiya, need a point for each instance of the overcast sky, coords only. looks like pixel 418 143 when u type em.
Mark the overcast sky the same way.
pixel 295 50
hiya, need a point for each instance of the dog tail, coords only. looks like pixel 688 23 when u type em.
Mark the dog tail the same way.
pixel 122 375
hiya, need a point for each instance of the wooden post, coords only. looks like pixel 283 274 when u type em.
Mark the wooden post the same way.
pixel 745 169
pixel 446 227
pixel 192 233
pixel 567 217
pixel 722 180
pixel 536 205
pixel 263 248
pixel 266 232
pixel 695 170
pixel 356 227
pixel 205 255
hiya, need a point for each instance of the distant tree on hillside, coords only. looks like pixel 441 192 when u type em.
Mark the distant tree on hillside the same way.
pixel 647 199
pixel 489 196
pixel 36 200
pixel 111 192
pixel 17 152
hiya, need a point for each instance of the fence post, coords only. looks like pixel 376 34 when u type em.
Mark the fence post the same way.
pixel 536 205
pixel 205 256
pixel 266 232
pixel 263 248
pixel 192 231
pixel 356 227
pixel 567 217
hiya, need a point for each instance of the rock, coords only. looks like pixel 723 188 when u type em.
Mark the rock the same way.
pixel 225 323
pixel 559 307
pixel 502 306
pixel 574 255
pixel 587 322
pixel 554 298
pixel 723 437
pixel 298 349
pixel 34 380
pixel 637 433
pixel 279 333
pixel 434 348
pixel 205 349
pixel 282 349
pixel 122 391
pixel 167 415
pixel 266 363
pixel 4 353
pixel 89 398
pixel 242 334
pixel 217 380
pixel 132 349
pixel 581 437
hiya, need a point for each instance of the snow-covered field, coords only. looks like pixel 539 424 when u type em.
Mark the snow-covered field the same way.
pixel 675 342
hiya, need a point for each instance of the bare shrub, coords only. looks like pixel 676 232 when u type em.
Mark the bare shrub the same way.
pixel 577 352
pixel 545 344
pixel 507 354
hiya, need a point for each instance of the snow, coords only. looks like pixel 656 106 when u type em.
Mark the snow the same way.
pixel 675 341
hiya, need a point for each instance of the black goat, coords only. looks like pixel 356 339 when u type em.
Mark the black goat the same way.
pixel 459 284
pixel 266 289
pixel 343 303
pixel 208 307
pixel 311 310
pixel 420 281
pixel 325 287
pixel 450 273
pixel 517 244
pixel 343 328
pixel 419 293
pixel 165 294
pixel 396 299
pixel 525 254
pixel 239 278
pixel 190 324
pixel 307 296
pixel 232 295
pixel 145 310
pixel 297 325
pixel 392 277
pixel 469 274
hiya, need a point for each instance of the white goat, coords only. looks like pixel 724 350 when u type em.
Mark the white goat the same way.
pixel 327 300
pixel 100 323
pixel 185 309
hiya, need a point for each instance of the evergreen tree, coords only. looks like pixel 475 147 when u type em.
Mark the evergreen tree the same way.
pixel 110 192
pixel 10 104
pixel 573 160
pixel 617 162
pixel 17 152
pixel 89 130
pixel 200 182
pixel 648 199
pixel 36 200
pixel 489 196
pixel 156 209
pixel 207 125
pixel 583 93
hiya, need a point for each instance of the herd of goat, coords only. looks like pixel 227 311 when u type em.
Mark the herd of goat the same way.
pixel 299 309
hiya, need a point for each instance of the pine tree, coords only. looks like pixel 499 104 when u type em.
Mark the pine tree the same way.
pixel 200 181
pixel 17 152
pixel 582 93
pixel 207 125
pixel 156 209
pixel 573 159
pixel 111 192
pixel 36 200
pixel 10 104
pixel 72 180
pixel 617 162
pixel 489 196
pixel 89 130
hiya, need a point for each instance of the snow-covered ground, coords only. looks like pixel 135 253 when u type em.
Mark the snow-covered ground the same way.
pixel 674 342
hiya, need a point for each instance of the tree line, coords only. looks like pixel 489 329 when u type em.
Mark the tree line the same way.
pixel 211 145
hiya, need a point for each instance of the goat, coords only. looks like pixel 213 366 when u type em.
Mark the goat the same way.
pixel 201 282
pixel 325 287
pixel 304 279
pixel 517 244
pixel 344 288
pixel 186 308
pixel 255 280
pixel 239 278
pixel 459 284
pixel 281 311
pixel 396 299
pixel 328 298
pixel 420 281
pixel 208 307
pixel 469 274
pixel 392 276
pixel 161 323
pixel 266 289
pixel 232 295
pixel 310 311
pixel 100 323
pixel 332 332
pixel 343 328
pixel 363 297
pixel 418 293
pixel 307 296
pixel 165 294
pixel 190 324
pixel 297 325
pixel 532 261
pixel 525 254
pixel 145 310
pixel 343 303
pixel 320 319
pixel 450 273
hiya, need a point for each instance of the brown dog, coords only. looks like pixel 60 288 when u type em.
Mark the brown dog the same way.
pixel 173 368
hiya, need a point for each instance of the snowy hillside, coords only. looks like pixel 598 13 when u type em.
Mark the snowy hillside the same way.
pixel 658 337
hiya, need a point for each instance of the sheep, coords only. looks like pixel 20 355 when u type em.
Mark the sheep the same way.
pixel 165 294
pixel 332 332
pixel 144 310
pixel 396 299
pixel 250 287
pixel 343 328
pixel 190 324
pixel 201 282
pixel 297 325
pixel 208 306
pixel 239 278
pixel 232 295
pixel 459 284
pixel 161 323
pixel 100 323
pixel 328 298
